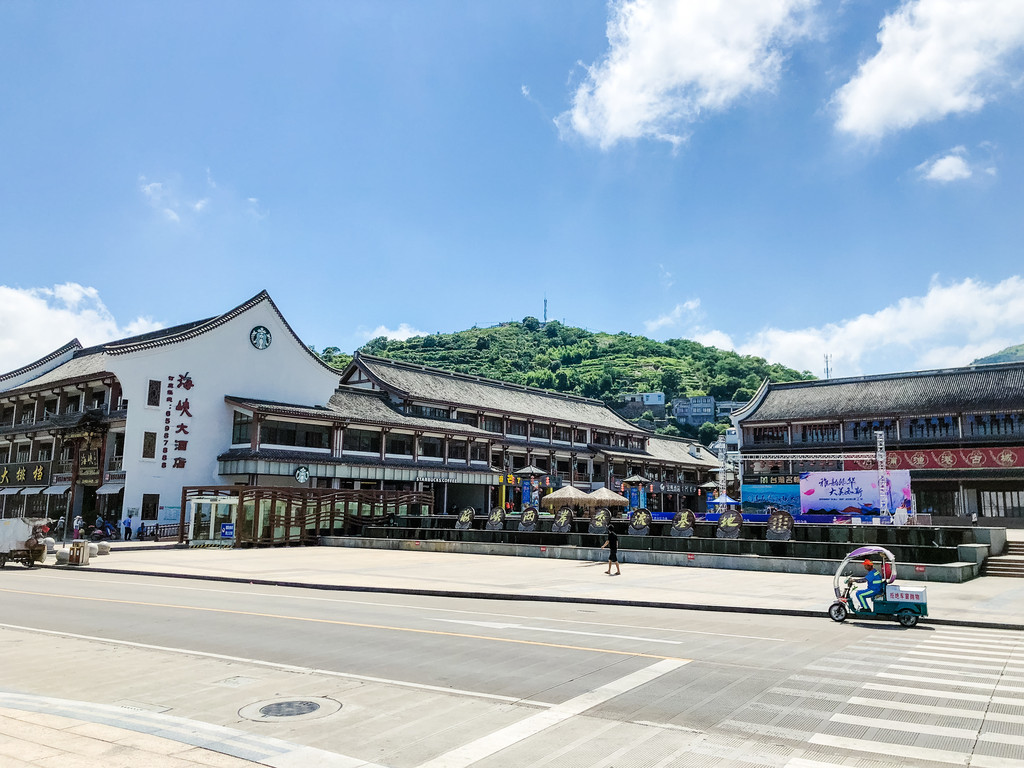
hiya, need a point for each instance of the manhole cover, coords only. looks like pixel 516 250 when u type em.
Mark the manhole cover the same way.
pixel 289 708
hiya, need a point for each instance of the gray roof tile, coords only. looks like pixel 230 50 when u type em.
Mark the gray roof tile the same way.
pixel 980 388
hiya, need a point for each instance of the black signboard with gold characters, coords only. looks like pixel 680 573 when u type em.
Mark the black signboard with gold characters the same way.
pixel 25 474
pixel 496 520
pixel 465 519
pixel 528 521
pixel 780 525
pixel 640 523
pixel 682 524
pixel 563 521
pixel 599 522
pixel 729 524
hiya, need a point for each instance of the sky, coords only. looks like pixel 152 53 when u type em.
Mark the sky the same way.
pixel 786 178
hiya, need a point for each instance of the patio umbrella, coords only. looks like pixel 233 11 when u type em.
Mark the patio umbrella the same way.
pixel 636 479
pixel 530 470
pixel 723 499
pixel 604 497
pixel 567 494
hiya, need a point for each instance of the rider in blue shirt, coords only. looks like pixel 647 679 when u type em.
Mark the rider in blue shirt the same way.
pixel 873 586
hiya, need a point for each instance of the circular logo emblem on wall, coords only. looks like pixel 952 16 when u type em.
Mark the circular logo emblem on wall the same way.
pixel 260 337
pixel 302 475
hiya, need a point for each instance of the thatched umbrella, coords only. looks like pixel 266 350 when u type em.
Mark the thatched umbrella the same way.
pixel 604 497
pixel 567 494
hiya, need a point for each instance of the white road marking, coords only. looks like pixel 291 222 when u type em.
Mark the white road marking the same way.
pixel 885 748
pixel 924 709
pixel 1002 738
pixel 958 664
pixel 499 625
pixel 493 743
pixel 954 683
pixel 986 761
pixel 957 654
pixel 889 724
pixel 286 667
pixel 979 675
pixel 803 762
pixel 937 694
pixel 377 604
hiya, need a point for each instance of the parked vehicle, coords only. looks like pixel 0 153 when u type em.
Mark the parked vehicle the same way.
pixel 21 541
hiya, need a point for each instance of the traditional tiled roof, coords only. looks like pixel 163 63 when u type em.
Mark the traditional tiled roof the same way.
pixel 70 347
pixel 425 384
pixel 81 366
pixel 90 362
pixel 664 449
pixel 976 388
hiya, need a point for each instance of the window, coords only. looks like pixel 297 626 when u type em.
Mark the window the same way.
pixel 241 429
pixel 149 445
pixel 541 432
pixel 581 436
pixel 467 418
pixel 22 454
pixel 431 447
pixel 286 433
pixel 399 444
pixel 427 411
pixel 456 450
pixel 45 452
pixel 362 440
pixel 492 424
pixel 517 428
pixel 1001 503
pixel 478 452
pixel 153 393
pixel 150 505
pixel 563 434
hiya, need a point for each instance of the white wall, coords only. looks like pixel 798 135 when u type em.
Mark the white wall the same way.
pixel 220 362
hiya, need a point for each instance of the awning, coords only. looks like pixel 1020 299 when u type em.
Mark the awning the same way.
pixel 9 491
pixel 32 490
pixel 109 489
pixel 57 490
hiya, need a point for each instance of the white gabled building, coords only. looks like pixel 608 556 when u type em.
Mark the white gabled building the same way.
pixel 121 427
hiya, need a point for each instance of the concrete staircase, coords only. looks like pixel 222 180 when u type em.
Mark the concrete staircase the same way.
pixel 1010 564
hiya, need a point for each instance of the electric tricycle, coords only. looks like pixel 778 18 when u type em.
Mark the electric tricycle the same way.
pixel 880 597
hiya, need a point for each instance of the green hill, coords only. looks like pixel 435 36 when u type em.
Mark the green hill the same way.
pixel 567 359
pixel 1008 355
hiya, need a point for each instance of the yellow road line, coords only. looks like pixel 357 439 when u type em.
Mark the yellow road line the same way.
pixel 347 624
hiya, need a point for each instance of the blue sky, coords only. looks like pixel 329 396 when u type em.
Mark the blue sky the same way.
pixel 787 178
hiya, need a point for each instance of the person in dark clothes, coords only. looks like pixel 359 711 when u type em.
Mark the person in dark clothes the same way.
pixel 613 551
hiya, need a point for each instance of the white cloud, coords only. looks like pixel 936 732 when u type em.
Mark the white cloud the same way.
pixel 671 60
pixel 674 317
pixel 950 167
pixel 525 89
pixel 951 325
pixel 35 321
pixel 935 58
pixel 403 332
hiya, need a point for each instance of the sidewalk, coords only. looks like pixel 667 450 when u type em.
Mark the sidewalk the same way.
pixel 987 600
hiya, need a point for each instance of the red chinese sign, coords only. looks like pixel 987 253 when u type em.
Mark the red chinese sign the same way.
pixel 184 413
pixel 951 458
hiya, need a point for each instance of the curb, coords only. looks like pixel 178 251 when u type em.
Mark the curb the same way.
pixel 508 597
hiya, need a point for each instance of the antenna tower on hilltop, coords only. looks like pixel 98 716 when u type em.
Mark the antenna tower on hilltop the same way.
pixel 828 366
pixel 545 308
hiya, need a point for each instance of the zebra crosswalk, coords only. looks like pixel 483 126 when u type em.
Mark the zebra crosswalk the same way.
pixel 946 697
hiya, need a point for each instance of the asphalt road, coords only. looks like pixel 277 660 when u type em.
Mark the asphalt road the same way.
pixel 412 682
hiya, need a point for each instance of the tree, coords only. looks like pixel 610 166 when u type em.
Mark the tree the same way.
pixel 483 342
pixel 671 379
pixel 531 323
pixel 708 433
pixel 647 415
pixel 671 430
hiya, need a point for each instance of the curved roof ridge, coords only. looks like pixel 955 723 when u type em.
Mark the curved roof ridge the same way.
pixel 973 368
pixel 477 379
pixel 72 346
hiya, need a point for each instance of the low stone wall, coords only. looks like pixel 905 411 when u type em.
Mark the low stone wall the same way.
pixel 955 572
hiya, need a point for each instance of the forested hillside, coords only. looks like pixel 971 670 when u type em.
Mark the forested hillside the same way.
pixel 568 359
pixel 1008 355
